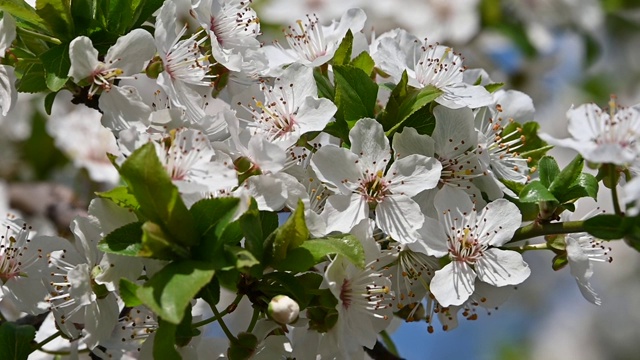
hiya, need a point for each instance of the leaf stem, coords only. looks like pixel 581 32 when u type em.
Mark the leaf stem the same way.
pixel 527 247
pixel 219 316
pixel 537 229
pixel 224 327
pixel 614 189
pixel 44 342
pixel 254 320
pixel 44 37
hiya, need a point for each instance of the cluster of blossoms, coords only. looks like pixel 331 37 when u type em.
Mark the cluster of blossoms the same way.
pixel 404 172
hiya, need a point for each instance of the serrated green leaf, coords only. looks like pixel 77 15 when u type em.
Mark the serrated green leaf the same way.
pixel 57 14
pixel 256 226
pixel 365 62
pixel 32 79
pixel 608 226
pixel 170 290
pixel 243 259
pixel 125 240
pixel 318 249
pixel 157 245
pixel 121 197
pixel 355 94
pixel 48 102
pixel 214 214
pixel 15 340
pixel 548 169
pixel 159 199
pixel 84 14
pixel 122 15
pixel 127 290
pixel 21 10
pixel 325 87
pixel 414 102
pixel 289 236
pixel 56 66
pixel 343 52
pixel 535 192
pixel 585 185
pixel 566 177
pixel 164 347
pixel 493 87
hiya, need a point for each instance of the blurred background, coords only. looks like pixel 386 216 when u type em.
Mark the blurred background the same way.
pixel 560 52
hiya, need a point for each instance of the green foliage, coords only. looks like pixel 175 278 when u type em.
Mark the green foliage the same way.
pixel 164 343
pixel 342 56
pixel 315 251
pixel 120 196
pixel 15 340
pixel 406 101
pixel 159 199
pixel 355 94
pixel 126 240
pixel 243 348
pixel 170 290
pixel 287 237
pixel 128 291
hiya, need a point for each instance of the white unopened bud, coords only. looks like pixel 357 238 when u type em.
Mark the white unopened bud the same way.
pixel 283 309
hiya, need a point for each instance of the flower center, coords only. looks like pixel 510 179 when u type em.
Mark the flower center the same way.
pixel 374 187
pixel 465 246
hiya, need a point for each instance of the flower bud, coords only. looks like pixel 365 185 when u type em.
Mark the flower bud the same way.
pixel 283 309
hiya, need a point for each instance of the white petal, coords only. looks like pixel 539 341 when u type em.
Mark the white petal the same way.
pixel 464 95
pixel 454 132
pixel 410 142
pixel 588 293
pixel 343 212
pixel 370 143
pixel 579 263
pixel 449 198
pixel 400 217
pixel 501 219
pixel 432 239
pixel 315 114
pixel 122 107
pixel 8 93
pixel 84 58
pixel 333 165
pixel 100 319
pixel 131 51
pixel 7 32
pixel 502 267
pixel 269 192
pixel 413 174
pixel 453 284
pixel 298 80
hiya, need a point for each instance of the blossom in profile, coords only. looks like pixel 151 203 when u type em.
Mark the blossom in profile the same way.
pixel 582 251
pixel 602 136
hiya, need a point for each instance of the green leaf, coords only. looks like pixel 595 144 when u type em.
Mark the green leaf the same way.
pixel 549 170
pixel 567 177
pixel 83 13
pixel 22 11
pixel 48 102
pixel 559 261
pixel 211 292
pixel 342 55
pixel 533 148
pixel 355 94
pixel 242 258
pixel 608 226
pixel 325 87
pixel 157 245
pixel 289 236
pixel 585 185
pixel 255 227
pixel 214 214
pixel 365 62
pixel 128 291
pixel 535 192
pixel 164 347
pixel 493 87
pixel 244 348
pixel 121 197
pixel 56 66
pixel 57 14
pixel 125 240
pixel 170 290
pixel 159 199
pixel 33 79
pixel 145 10
pixel 15 341
pixel 318 249
pixel 122 15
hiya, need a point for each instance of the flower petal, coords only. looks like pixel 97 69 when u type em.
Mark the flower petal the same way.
pixel 453 284
pixel 502 267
